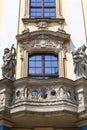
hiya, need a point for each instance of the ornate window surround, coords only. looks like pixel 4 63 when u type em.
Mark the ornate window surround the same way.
pixel 46 42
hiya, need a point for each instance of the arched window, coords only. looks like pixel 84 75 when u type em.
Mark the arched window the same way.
pixel 43 66
pixel 42 9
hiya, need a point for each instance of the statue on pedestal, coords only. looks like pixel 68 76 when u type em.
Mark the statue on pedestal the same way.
pixel 80 61
pixel 9 63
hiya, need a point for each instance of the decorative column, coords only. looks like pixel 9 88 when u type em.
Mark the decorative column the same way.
pixel 24 60
pixel 25 66
pixel 81 95
pixel 59 8
pixel 26 13
pixel 62 60
pixel 61 63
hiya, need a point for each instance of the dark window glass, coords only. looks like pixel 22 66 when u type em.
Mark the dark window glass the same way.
pixel 43 66
pixel 42 8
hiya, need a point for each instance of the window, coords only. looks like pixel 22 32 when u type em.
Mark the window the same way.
pixel 43 66
pixel 42 9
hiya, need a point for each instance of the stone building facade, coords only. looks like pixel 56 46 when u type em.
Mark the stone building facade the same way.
pixel 43 95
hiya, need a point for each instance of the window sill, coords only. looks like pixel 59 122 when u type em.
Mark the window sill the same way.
pixel 49 20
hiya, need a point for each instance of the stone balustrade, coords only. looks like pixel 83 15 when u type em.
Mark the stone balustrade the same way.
pixel 57 98
pixel 62 93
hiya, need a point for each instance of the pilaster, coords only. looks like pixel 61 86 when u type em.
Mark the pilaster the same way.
pixel 26 14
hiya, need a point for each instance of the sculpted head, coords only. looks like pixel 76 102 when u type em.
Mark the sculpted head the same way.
pixel 6 50
pixel 84 47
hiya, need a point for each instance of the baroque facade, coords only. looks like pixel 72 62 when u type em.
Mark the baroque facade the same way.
pixel 41 94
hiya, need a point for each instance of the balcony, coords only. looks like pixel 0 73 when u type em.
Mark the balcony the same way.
pixel 43 101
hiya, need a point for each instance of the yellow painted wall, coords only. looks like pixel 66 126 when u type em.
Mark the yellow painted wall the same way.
pixel 53 27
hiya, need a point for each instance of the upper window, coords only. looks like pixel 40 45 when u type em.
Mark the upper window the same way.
pixel 42 9
pixel 43 66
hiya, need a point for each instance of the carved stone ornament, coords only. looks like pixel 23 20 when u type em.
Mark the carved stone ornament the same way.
pixel 2 100
pixel 80 61
pixel 42 42
pixel 49 93
pixel 81 99
pixel 61 28
pixel 9 63
pixel 42 25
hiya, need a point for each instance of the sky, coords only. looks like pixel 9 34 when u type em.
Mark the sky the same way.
pixel 76 23
pixel 10 24
pixel 9 27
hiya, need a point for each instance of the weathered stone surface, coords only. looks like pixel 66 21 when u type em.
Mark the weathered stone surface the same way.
pixel 55 98
pixel 80 61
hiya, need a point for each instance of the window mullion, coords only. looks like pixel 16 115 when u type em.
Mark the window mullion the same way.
pixel 43 66
pixel 42 8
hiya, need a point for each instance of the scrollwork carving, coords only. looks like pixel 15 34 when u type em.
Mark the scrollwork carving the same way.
pixel 42 42
pixel 42 25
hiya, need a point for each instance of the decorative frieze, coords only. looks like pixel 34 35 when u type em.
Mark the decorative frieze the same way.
pixel 54 96
pixel 42 41
pixel 46 93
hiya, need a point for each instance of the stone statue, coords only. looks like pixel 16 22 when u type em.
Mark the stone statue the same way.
pixel 80 61
pixel 9 63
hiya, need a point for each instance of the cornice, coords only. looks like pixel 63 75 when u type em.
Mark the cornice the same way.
pixel 32 81
pixel 49 20
pixel 30 35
